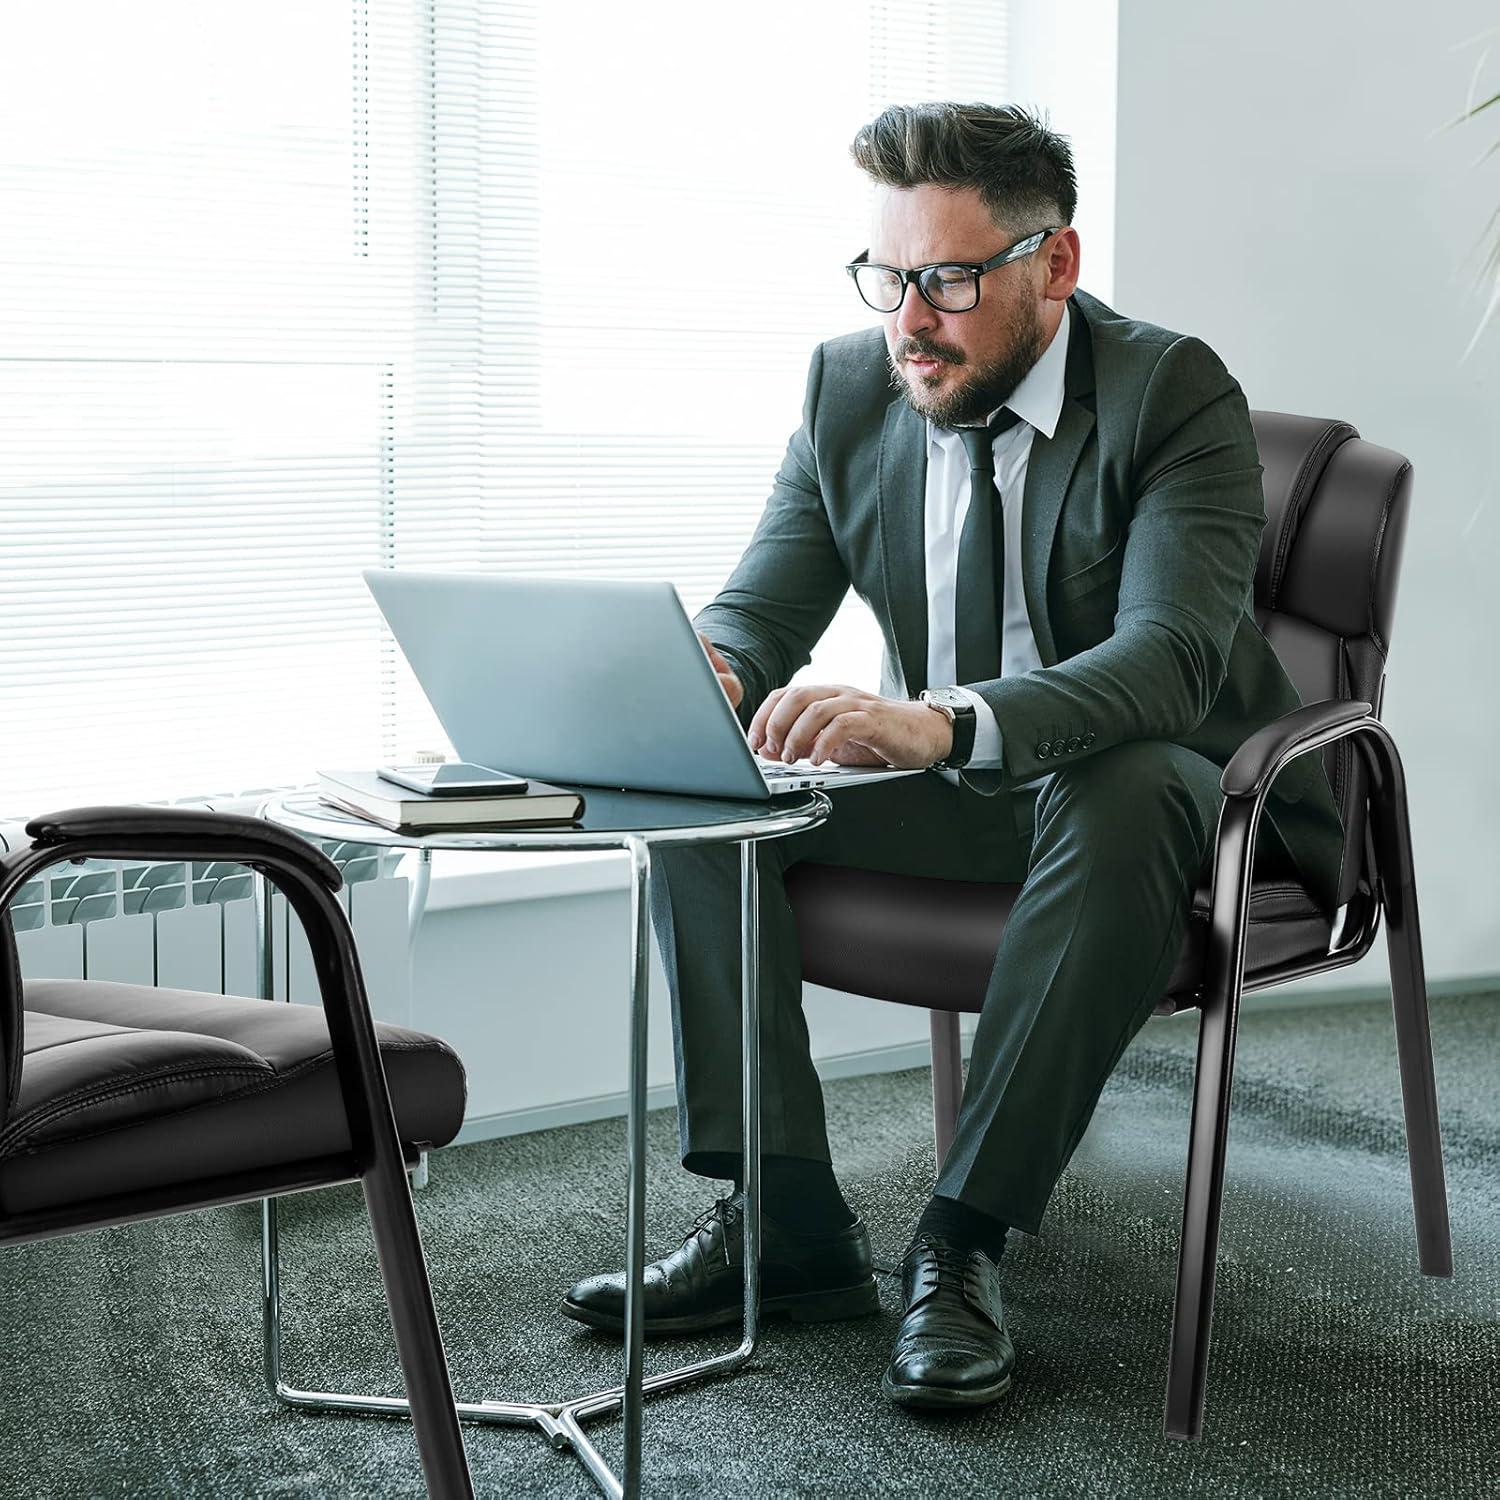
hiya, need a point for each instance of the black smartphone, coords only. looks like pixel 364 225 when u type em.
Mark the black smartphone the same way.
pixel 455 778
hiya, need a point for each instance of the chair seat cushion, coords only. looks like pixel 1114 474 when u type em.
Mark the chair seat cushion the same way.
pixel 127 1086
pixel 918 940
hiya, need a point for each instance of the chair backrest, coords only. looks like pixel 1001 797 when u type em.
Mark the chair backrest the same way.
pixel 1325 586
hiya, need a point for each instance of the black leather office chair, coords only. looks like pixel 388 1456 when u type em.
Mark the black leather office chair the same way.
pixel 1325 593
pixel 121 1102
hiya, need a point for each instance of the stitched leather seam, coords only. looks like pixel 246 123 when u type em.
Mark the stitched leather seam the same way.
pixel 1293 513
pixel 1268 891
pixel 1385 511
pixel 111 1035
pixel 1341 690
pixel 322 1059
pixel 76 1103
pixel 1261 897
pixel 265 1085
pixel 1263 918
pixel 1327 440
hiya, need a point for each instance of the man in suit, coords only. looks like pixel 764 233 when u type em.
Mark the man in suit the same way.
pixel 1054 512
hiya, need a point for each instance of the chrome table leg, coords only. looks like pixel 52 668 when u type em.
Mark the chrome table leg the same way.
pixel 561 1421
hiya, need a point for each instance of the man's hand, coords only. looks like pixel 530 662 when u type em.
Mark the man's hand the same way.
pixel 850 727
pixel 734 689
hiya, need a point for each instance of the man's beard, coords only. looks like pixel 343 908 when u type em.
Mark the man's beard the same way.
pixel 987 387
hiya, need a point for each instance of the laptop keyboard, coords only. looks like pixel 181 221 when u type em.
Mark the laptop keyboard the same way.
pixel 773 768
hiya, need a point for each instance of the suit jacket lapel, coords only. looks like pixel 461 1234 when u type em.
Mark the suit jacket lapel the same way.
pixel 1049 471
pixel 902 508
pixel 903 541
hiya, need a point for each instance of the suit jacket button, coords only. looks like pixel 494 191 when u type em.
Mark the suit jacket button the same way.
pixel 1044 749
pixel 1074 743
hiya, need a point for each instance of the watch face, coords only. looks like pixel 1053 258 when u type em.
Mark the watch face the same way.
pixel 948 697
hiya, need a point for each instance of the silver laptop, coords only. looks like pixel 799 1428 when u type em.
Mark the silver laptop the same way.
pixel 599 682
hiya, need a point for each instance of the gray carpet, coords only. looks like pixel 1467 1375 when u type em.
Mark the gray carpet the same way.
pixel 132 1357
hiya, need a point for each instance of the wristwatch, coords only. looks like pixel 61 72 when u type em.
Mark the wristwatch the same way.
pixel 959 709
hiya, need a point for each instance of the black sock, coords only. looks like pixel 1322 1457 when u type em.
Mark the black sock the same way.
pixel 961 1225
pixel 798 1193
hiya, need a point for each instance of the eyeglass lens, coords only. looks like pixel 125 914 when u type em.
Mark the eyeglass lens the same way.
pixel 952 288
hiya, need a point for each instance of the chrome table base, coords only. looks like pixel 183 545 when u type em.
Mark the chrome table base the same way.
pixel 561 1421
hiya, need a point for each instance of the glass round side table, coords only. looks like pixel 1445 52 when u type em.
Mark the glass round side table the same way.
pixel 635 822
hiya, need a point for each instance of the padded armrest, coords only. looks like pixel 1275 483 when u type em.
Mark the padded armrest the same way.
pixel 1250 767
pixel 139 832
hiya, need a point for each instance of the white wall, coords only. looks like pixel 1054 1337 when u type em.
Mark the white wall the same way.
pixel 1285 192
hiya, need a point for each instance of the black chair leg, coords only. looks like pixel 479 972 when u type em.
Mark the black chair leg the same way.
pixel 1391 830
pixel 424 1368
pixel 1208 1138
pixel 1198 1248
pixel 1224 970
pixel 947 1081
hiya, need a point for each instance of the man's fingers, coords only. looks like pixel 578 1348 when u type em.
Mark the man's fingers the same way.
pixel 729 680
pixel 800 738
pixel 794 714
pixel 833 734
pixel 776 717
pixel 757 730
pixel 847 740
pixel 714 654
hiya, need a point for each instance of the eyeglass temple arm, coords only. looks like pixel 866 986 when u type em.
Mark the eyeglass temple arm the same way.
pixel 1014 253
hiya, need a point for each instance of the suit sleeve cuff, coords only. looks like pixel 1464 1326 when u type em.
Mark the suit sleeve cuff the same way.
pixel 986 734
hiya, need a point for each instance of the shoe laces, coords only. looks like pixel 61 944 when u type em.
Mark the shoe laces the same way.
pixel 945 1256
pixel 725 1209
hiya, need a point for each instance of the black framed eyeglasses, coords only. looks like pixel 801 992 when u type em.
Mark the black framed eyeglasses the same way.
pixel 952 286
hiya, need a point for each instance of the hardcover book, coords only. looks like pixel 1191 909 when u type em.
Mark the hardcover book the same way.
pixel 370 796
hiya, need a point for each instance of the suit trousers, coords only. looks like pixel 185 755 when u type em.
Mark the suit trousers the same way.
pixel 1108 852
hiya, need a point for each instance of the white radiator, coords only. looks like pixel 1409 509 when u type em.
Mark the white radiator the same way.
pixel 191 924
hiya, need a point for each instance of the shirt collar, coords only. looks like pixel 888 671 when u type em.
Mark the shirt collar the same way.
pixel 1039 397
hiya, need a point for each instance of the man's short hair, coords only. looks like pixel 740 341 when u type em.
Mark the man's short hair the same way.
pixel 1021 169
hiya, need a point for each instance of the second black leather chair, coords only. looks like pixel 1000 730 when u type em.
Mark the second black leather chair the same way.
pixel 123 1102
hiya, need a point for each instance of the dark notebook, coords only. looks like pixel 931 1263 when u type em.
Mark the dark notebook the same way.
pixel 370 796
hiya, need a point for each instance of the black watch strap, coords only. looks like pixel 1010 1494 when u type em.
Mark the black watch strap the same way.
pixel 964 723
pixel 963 739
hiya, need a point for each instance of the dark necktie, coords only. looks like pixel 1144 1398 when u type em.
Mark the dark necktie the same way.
pixel 980 593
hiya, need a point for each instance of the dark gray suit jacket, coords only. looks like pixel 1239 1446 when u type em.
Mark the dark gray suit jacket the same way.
pixel 1141 525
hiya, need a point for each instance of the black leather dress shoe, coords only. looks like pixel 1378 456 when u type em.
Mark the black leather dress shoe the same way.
pixel 812 1278
pixel 952 1349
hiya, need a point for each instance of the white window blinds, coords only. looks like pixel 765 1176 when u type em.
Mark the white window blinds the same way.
pixel 290 291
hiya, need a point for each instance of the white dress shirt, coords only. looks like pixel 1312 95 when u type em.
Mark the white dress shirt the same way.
pixel 1037 400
